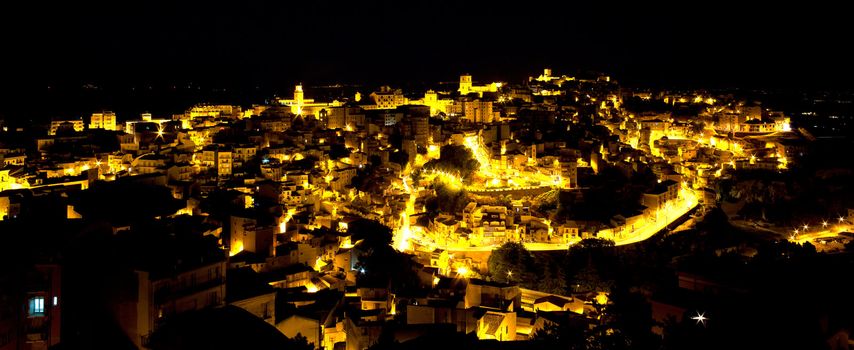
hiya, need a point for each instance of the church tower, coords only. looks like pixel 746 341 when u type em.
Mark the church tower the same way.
pixel 465 84
pixel 298 95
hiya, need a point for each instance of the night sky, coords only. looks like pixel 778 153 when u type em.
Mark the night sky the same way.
pixel 278 43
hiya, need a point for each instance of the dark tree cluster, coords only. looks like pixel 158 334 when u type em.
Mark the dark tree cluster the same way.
pixel 447 200
pixel 455 160
pixel 379 264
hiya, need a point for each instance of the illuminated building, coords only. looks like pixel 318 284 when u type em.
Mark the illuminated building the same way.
pixel 131 125
pixel 74 124
pixel 388 98
pixel 103 120
pixel 248 235
pixel 467 87
pixel 437 105
pixel 243 153
pixel 151 163
pixel 478 111
pixel 300 105
pixel 343 116
pixel 547 77
pixel 214 111
pixel 219 159
pixel 13 159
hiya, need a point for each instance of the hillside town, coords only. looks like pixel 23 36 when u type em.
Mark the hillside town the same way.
pixel 384 216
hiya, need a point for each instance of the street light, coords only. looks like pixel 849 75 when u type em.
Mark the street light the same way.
pixel 824 224
pixel 700 318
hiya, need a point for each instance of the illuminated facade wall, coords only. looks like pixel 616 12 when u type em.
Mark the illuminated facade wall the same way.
pixel 77 125
pixel 388 98
pixel 478 111
pixel 466 86
pixel 103 120
pixel 300 105
pixel 214 111
pixel 247 235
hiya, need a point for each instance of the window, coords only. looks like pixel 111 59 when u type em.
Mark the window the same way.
pixel 37 306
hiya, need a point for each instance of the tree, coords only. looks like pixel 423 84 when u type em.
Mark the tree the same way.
pixel 553 279
pixel 588 280
pixel 299 342
pixel 559 336
pixel 454 159
pixel 447 199
pixel 371 231
pixel 512 262
pixel 379 264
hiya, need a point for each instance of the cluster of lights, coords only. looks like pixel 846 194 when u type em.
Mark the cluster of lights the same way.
pixel 805 228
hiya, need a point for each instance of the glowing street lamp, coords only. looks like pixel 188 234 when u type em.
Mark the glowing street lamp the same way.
pixel 806 227
pixel 824 224
pixel 700 318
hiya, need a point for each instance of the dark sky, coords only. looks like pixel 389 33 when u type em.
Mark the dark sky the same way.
pixel 796 45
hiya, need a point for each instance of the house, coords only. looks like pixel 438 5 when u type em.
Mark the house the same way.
pixel 166 284
pixel 248 291
pixel 496 325
pixel 296 275
pixel 30 314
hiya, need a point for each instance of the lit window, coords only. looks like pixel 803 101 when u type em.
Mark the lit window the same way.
pixel 37 306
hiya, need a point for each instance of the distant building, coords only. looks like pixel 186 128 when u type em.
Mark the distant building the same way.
pixel 75 125
pixel 305 106
pixel 466 86
pixel 104 120
pixel 478 111
pixel 388 98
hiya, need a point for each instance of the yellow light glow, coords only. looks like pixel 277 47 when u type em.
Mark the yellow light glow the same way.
pixel 404 233
pixel 237 247
pixel 463 271
pixel 319 264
